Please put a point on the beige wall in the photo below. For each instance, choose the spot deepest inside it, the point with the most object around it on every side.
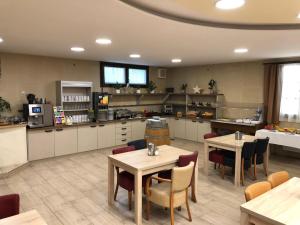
(241, 83)
(37, 74)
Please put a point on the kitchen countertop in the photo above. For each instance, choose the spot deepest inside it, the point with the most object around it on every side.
(237, 123)
(13, 126)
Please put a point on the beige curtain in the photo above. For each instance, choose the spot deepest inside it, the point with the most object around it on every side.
(272, 92)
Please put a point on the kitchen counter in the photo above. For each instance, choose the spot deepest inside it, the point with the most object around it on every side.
(13, 125)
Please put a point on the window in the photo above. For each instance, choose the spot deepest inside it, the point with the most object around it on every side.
(117, 73)
(290, 96)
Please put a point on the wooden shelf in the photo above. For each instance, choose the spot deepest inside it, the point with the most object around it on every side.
(75, 110)
(136, 94)
(134, 105)
(202, 107)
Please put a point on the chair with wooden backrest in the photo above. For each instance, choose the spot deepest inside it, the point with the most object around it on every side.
(257, 189)
(124, 178)
(171, 193)
(215, 156)
(9, 205)
(260, 149)
(278, 178)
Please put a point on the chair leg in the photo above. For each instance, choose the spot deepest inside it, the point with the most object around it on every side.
(243, 171)
(129, 199)
(187, 205)
(255, 172)
(116, 191)
(147, 208)
(265, 169)
(223, 172)
(172, 208)
(215, 166)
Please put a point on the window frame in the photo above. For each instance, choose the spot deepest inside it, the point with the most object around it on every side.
(126, 67)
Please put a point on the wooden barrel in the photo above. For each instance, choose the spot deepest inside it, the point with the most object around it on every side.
(157, 136)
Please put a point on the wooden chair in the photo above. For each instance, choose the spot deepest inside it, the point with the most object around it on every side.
(171, 193)
(257, 189)
(260, 149)
(9, 205)
(278, 178)
(124, 178)
(246, 160)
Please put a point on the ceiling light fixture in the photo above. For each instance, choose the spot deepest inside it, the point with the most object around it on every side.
(135, 56)
(240, 50)
(103, 41)
(229, 4)
(176, 60)
(77, 49)
(1, 39)
(298, 16)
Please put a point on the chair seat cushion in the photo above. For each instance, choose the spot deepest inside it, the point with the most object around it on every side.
(126, 180)
(216, 156)
(160, 195)
(166, 174)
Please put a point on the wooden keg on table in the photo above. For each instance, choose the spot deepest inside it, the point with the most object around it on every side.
(157, 132)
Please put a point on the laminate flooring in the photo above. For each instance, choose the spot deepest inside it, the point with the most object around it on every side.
(72, 190)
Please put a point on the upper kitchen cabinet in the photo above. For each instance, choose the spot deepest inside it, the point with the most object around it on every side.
(65, 141)
(87, 138)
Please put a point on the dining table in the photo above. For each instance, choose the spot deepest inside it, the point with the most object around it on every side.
(280, 205)
(228, 142)
(31, 217)
(139, 163)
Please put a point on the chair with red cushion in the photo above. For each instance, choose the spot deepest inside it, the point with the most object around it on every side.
(9, 205)
(216, 156)
(124, 178)
(183, 161)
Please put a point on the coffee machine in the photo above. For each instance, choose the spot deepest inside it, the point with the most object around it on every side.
(38, 115)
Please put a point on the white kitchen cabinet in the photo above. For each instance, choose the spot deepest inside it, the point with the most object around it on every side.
(87, 138)
(203, 128)
(106, 135)
(171, 121)
(123, 132)
(40, 144)
(179, 128)
(65, 141)
(191, 130)
(138, 129)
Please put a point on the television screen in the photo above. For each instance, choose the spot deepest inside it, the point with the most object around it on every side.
(137, 76)
(114, 75)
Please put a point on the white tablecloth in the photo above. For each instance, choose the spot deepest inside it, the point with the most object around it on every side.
(280, 138)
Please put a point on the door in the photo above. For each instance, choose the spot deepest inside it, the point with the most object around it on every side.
(40, 144)
(179, 128)
(191, 130)
(106, 135)
(87, 138)
(65, 141)
(138, 129)
(203, 128)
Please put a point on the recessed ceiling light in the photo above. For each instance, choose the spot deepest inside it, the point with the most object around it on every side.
(1, 39)
(229, 4)
(103, 41)
(241, 50)
(298, 16)
(77, 49)
(135, 56)
(176, 60)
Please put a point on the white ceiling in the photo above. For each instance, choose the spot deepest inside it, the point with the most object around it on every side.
(51, 27)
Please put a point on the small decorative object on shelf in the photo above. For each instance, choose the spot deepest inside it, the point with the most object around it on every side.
(212, 86)
(183, 88)
(117, 87)
(151, 87)
(4, 107)
(138, 90)
(197, 90)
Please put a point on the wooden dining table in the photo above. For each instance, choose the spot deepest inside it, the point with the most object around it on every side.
(228, 142)
(279, 206)
(139, 163)
(27, 218)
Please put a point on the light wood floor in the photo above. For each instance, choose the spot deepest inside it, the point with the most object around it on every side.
(72, 190)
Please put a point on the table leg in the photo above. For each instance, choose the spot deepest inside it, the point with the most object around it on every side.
(138, 197)
(237, 177)
(205, 158)
(111, 182)
(266, 159)
(244, 219)
(195, 183)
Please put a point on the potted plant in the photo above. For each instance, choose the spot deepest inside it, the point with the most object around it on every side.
(151, 87)
(183, 88)
(117, 87)
(4, 107)
(212, 86)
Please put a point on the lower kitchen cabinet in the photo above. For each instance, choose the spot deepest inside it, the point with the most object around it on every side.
(87, 138)
(192, 130)
(138, 129)
(106, 135)
(65, 141)
(179, 128)
(171, 122)
(203, 128)
(40, 144)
